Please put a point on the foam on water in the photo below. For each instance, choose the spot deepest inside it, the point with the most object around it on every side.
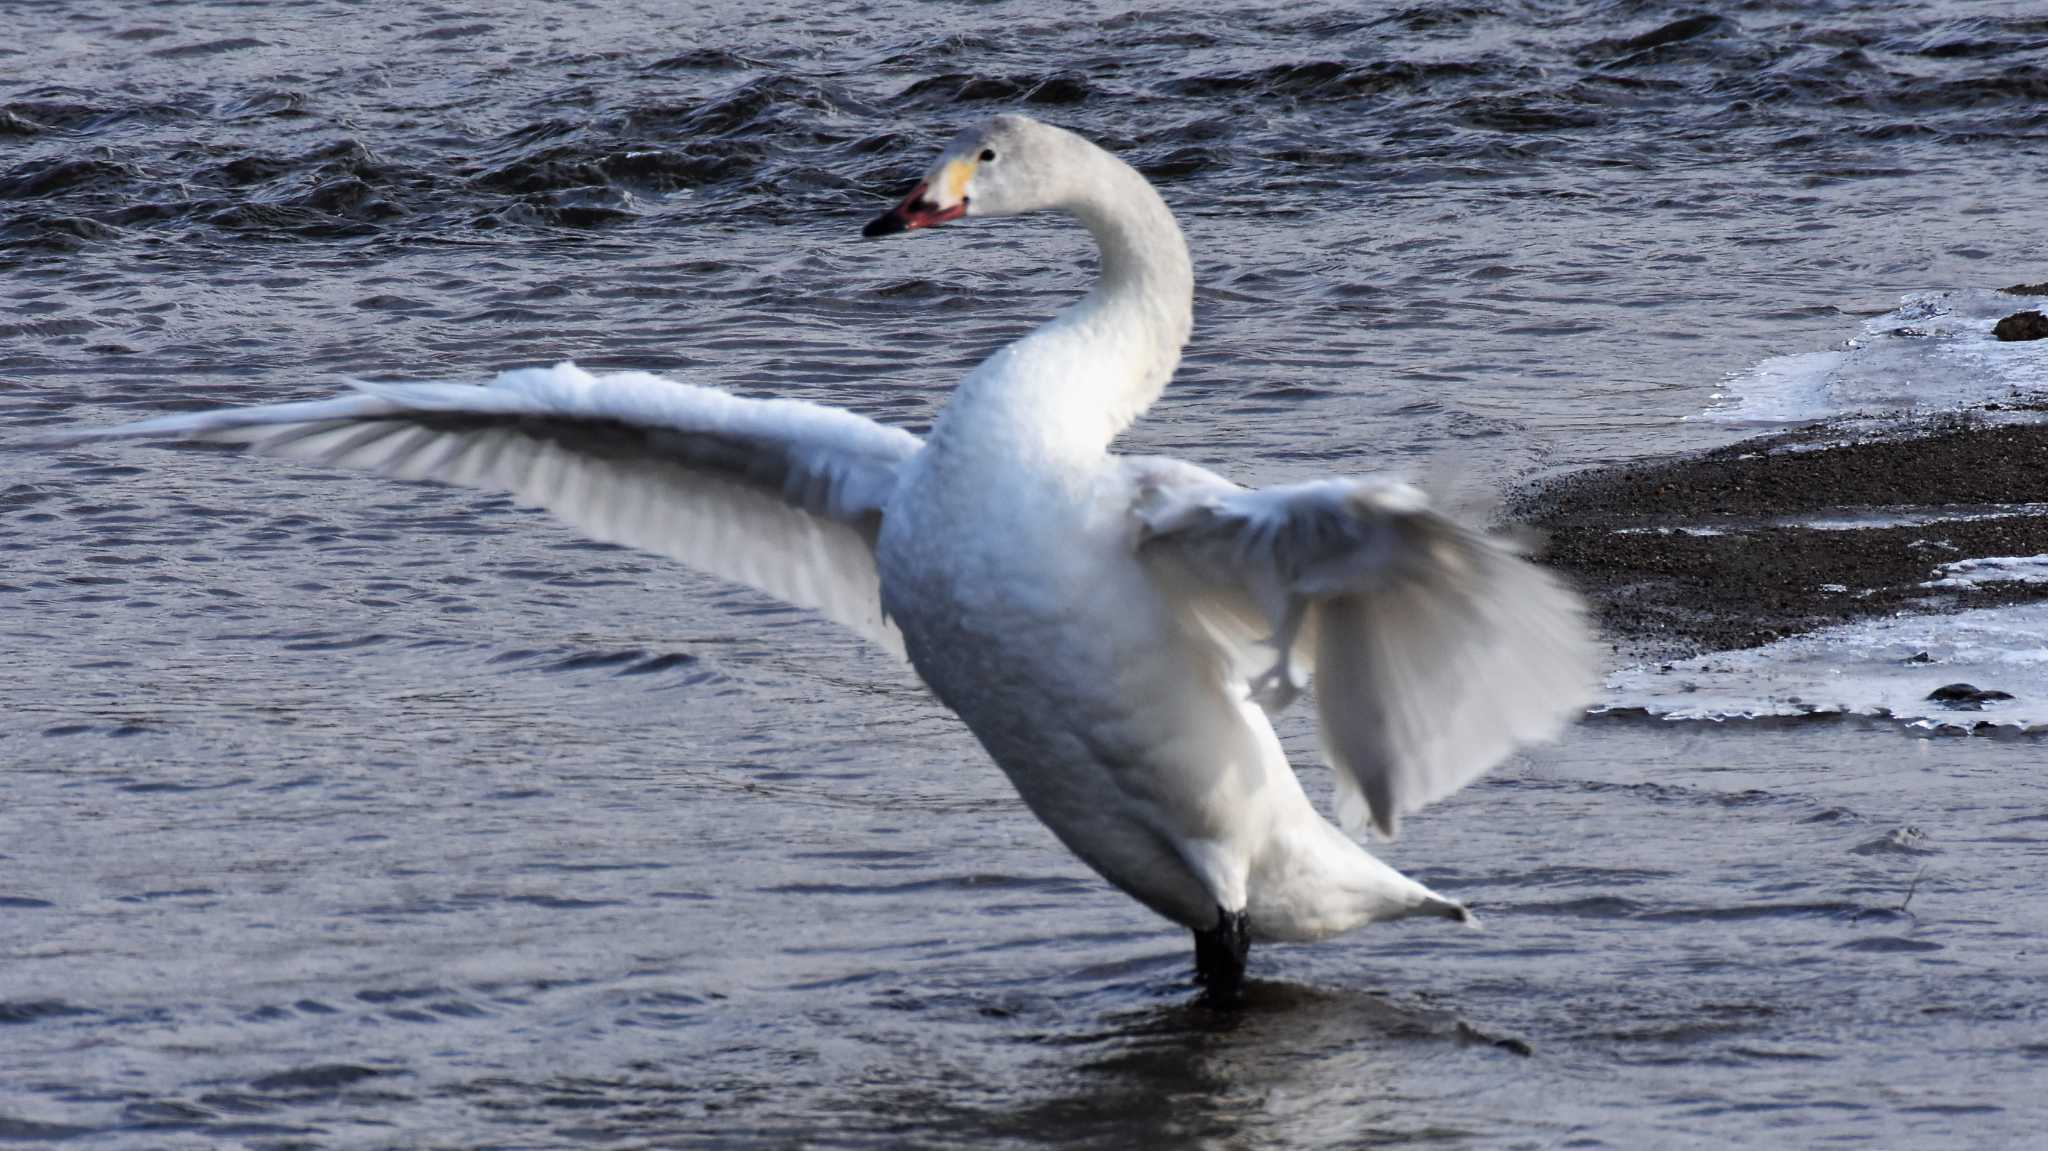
(1886, 668)
(1933, 353)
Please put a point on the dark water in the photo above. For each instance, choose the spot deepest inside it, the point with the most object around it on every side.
(340, 813)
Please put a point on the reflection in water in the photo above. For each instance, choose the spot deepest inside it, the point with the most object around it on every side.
(1292, 1066)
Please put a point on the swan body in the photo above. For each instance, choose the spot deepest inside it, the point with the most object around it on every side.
(1115, 630)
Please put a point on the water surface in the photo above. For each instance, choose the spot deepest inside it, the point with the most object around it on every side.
(340, 813)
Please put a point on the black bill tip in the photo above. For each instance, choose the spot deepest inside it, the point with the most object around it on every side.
(887, 224)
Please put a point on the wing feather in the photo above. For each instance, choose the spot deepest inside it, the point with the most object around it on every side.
(1436, 649)
(781, 495)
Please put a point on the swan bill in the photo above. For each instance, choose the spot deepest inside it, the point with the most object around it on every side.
(914, 212)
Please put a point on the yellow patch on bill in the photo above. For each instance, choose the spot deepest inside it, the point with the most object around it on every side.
(953, 182)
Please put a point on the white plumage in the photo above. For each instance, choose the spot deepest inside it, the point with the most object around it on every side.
(1114, 629)
(781, 495)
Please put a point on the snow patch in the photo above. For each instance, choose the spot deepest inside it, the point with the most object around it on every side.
(1884, 667)
(1935, 352)
(1983, 570)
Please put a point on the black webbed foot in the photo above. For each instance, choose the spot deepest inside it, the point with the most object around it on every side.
(1220, 954)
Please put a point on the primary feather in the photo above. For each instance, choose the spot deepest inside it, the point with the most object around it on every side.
(1436, 649)
(781, 495)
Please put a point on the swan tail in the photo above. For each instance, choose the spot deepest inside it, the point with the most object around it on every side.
(1450, 909)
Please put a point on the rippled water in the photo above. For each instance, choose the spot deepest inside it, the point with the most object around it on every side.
(341, 813)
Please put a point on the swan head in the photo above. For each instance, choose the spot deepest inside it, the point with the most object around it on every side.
(1004, 166)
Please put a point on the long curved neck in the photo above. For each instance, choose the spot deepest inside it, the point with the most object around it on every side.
(1067, 389)
(1145, 292)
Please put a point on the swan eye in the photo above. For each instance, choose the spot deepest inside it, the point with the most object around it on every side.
(988, 155)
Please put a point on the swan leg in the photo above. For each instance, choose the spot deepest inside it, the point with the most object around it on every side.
(1276, 688)
(1220, 955)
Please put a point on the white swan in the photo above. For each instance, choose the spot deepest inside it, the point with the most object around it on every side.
(1114, 629)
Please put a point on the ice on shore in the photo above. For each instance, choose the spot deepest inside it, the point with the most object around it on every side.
(1934, 353)
(1883, 667)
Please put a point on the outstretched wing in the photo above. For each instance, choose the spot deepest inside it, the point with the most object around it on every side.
(782, 495)
(1436, 649)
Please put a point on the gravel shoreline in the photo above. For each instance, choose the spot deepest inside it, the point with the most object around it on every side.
(1706, 552)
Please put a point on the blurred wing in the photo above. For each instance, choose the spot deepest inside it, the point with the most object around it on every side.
(1437, 650)
(781, 495)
